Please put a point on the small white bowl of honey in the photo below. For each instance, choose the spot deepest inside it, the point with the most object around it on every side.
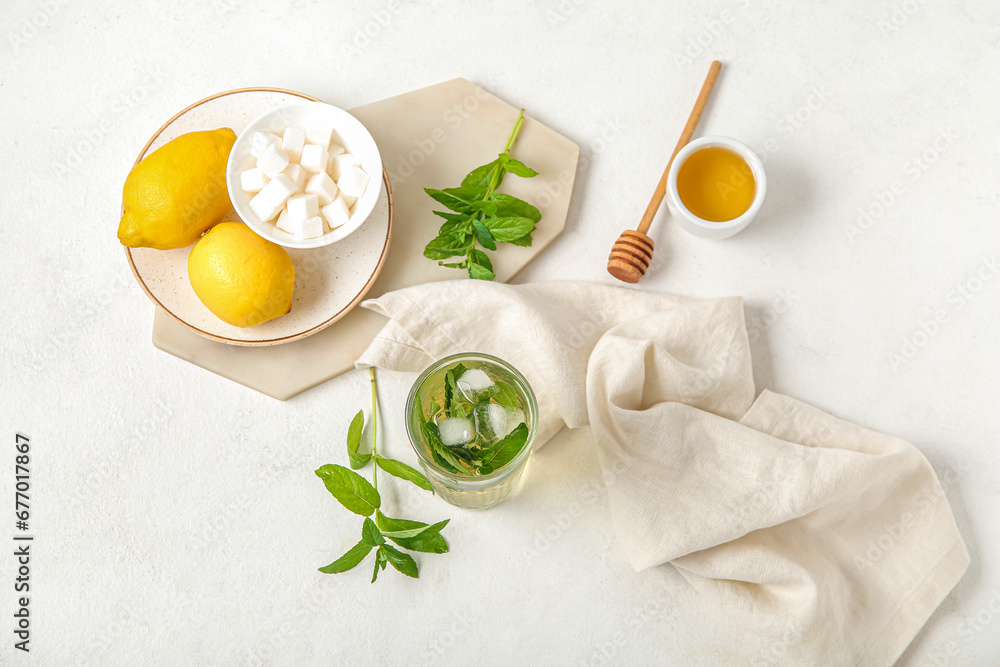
(716, 185)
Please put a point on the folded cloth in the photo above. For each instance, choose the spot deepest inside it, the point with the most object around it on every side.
(832, 539)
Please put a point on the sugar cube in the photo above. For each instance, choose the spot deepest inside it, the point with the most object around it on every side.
(323, 187)
(279, 189)
(272, 160)
(336, 213)
(264, 208)
(253, 180)
(341, 162)
(283, 223)
(348, 200)
(320, 134)
(300, 207)
(260, 141)
(297, 175)
(310, 228)
(336, 149)
(269, 201)
(292, 142)
(353, 181)
(314, 158)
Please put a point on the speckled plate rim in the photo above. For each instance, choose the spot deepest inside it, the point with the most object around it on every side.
(270, 341)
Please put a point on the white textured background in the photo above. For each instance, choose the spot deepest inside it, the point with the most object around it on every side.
(176, 515)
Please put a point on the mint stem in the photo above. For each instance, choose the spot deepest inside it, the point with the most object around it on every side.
(506, 151)
(513, 133)
(371, 373)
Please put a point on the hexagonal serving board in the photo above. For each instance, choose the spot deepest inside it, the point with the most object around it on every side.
(428, 138)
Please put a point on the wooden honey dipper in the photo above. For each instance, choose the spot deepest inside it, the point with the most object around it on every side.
(632, 252)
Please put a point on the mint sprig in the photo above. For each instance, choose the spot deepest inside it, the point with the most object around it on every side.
(482, 215)
(356, 494)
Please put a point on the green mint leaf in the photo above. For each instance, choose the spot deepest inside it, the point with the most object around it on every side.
(402, 562)
(449, 390)
(483, 236)
(447, 245)
(388, 525)
(354, 431)
(409, 532)
(504, 394)
(458, 199)
(510, 206)
(370, 534)
(427, 540)
(349, 560)
(462, 452)
(352, 490)
(359, 461)
(452, 217)
(456, 229)
(480, 257)
(403, 471)
(354, 442)
(480, 272)
(455, 223)
(380, 561)
(451, 386)
(457, 410)
(418, 408)
(509, 228)
(444, 462)
(442, 455)
(418, 529)
(487, 207)
(516, 167)
(480, 177)
(504, 451)
(481, 268)
(523, 241)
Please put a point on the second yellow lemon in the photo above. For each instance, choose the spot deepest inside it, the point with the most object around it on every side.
(177, 192)
(242, 278)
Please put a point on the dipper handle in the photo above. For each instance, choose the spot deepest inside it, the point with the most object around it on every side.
(692, 123)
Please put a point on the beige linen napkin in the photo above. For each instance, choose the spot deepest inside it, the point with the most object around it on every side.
(835, 539)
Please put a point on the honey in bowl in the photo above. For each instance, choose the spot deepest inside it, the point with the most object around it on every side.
(716, 184)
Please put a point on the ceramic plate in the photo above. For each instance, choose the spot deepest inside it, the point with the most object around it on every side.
(329, 281)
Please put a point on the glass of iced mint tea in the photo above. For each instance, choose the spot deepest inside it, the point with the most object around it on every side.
(472, 419)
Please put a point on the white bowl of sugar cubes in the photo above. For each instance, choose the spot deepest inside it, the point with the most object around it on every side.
(304, 175)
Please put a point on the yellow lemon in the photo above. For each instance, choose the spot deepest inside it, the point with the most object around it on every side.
(242, 278)
(177, 192)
